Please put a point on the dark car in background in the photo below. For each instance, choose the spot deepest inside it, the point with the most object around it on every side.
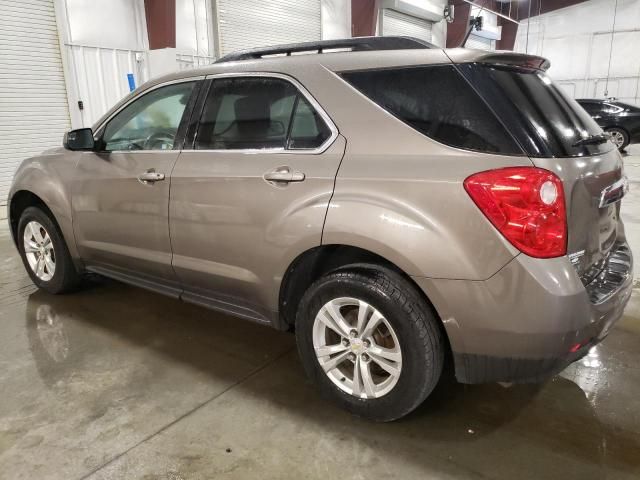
(620, 120)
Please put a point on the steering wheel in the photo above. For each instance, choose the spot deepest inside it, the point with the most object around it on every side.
(157, 139)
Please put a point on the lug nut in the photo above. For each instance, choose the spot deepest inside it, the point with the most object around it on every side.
(352, 357)
(365, 357)
(366, 344)
(345, 342)
(353, 333)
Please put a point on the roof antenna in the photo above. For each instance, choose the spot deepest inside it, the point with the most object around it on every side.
(613, 31)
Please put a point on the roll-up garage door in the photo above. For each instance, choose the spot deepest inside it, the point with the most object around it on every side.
(33, 102)
(479, 43)
(397, 23)
(258, 23)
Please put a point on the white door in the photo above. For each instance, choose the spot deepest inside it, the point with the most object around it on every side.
(244, 24)
(34, 113)
(397, 23)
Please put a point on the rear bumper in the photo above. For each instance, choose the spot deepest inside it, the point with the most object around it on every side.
(532, 318)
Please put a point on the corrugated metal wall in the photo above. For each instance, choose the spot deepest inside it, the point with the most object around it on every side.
(246, 24)
(34, 113)
(398, 23)
(100, 77)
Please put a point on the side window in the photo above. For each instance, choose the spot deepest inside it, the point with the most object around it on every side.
(151, 122)
(437, 102)
(258, 113)
(308, 130)
(591, 108)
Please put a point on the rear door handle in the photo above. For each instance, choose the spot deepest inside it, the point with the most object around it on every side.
(284, 174)
(150, 176)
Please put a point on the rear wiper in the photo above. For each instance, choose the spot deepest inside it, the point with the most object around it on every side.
(592, 140)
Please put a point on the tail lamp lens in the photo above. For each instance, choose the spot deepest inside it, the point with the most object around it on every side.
(526, 205)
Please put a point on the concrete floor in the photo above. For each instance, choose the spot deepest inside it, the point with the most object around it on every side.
(116, 382)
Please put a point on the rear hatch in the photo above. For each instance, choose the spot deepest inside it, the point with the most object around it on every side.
(558, 135)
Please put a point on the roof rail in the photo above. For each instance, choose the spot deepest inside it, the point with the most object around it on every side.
(357, 44)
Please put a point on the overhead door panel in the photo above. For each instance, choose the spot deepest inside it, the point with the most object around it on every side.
(479, 43)
(247, 24)
(33, 102)
(398, 23)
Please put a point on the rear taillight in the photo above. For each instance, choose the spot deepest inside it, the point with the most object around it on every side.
(526, 205)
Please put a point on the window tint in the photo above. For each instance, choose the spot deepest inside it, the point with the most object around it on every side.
(258, 113)
(245, 113)
(150, 122)
(546, 122)
(590, 107)
(439, 103)
(308, 130)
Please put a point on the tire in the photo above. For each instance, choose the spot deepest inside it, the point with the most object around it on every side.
(620, 134)
(64, 276)
(412, 323)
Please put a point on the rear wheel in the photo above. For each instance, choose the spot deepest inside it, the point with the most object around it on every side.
(619, 137)
(44, 252)
(370, 342)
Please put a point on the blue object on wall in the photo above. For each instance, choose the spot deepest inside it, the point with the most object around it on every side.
(132, 82)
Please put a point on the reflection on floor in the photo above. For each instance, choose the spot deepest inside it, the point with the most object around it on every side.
(115, 382)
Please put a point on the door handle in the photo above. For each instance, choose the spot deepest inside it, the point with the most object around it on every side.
(150, 176)
(284, 174)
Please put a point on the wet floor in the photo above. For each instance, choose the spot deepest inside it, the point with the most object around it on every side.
(117, 382)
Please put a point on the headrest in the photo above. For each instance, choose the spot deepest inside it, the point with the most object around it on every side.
(253, 108)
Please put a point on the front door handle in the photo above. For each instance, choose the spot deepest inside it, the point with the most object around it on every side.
(284, 174)
(150, 176)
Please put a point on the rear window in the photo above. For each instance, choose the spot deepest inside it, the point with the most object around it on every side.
(544, 120)
(438, 102)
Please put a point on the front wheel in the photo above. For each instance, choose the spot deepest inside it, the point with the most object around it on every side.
(370, 342)
(619, 137)
(44, 252)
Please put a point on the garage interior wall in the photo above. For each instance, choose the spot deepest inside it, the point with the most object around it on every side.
(489, 19)
(243, 24)
(98, 59)
(577, 41)
(34, 110)
(418, 18)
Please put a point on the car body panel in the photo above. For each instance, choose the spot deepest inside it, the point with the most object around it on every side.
(120, 222)
(46, 176)
(233, 233)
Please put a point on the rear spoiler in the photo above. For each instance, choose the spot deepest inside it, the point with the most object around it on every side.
(499, 58)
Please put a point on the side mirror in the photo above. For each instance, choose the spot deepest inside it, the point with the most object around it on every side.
(80, 139)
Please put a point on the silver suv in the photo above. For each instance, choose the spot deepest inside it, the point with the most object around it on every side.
(394, 203)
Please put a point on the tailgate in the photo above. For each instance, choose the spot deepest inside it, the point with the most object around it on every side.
(593, 189)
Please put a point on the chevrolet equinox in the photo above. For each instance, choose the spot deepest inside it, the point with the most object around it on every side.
(392, 202)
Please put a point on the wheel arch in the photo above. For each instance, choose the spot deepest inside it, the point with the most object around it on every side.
(316, 262)
(23, 199)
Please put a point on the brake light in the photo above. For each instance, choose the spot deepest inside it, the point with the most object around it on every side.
(526, 205)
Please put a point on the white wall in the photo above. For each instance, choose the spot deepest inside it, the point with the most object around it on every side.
(193, 27)
(106, 23)
(577, 41)
(336, 19)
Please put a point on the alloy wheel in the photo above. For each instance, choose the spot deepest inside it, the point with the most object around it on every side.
(38, 250)
(617, 138)
(357, 348)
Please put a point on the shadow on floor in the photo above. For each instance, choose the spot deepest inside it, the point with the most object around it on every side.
(545, 431)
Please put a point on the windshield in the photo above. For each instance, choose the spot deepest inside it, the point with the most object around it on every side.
(544, 120)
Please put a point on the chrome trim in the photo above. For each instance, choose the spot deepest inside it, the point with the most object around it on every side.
(307, 95)
(614, 192)
(616, 269)
(140, 95)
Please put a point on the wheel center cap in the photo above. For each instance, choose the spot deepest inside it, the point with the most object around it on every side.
(357, 345)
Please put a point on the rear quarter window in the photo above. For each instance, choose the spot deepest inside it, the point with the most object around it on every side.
(439, 103)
